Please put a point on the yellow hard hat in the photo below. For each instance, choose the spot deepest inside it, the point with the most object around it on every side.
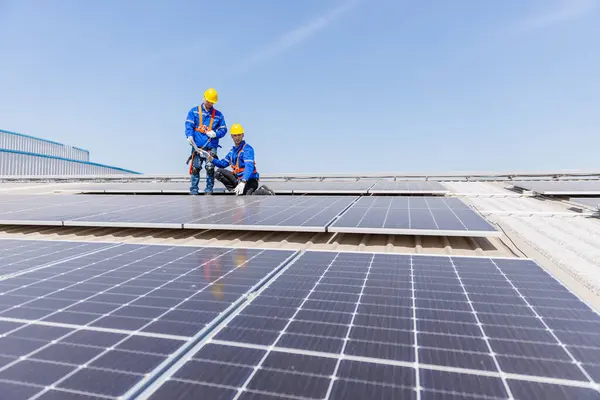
(211, 95)
(236, 129)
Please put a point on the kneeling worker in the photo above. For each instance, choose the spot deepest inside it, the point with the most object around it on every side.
(244, 178)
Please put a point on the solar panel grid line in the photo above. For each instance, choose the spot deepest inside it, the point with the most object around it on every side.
(93, 328)
(272, 348)
(349, 328)
(42, 348)
(148, 390)
(26, 251)
(36, 208)
(131, 208)
(135, 277)
(541, 318)
(140, 387)
(484, 335)
(454, 213)
(408, 364)
(264, 279)
(415, 330)
(51, 264)
(245, 384)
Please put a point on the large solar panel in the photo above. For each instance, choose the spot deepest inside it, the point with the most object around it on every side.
(413, 215)
(107, 323)
(591, 202)
(279, 187)
(561, 188)
(312, 214)
(408, 187)
(382, 326)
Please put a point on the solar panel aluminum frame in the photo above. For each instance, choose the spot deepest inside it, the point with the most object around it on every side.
(31, 222)
(530, 186)
(140, 225)
(267, 228)
(400, 191)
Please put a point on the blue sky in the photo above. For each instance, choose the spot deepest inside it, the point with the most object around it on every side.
(319, 85)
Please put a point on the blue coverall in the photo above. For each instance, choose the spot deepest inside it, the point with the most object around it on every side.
(193, 128)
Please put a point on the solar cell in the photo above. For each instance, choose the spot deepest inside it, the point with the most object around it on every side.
(106, 322)
(408, 187)
(413, 216)
(289, 342)
(310, 214)
(564, 188)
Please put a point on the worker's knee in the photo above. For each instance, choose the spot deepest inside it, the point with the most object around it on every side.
(219, 174)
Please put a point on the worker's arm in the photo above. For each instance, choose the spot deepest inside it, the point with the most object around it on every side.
(190, 123)
(224, 163)
(221, 129)
(248, 163)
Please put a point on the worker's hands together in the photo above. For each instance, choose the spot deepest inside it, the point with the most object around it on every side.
(239, 189)
(211, 134)
(204, 154)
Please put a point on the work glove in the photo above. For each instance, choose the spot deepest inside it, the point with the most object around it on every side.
(239, 189)
(211, 134)
(203, 153)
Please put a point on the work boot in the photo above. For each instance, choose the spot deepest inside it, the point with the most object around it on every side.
(264, 191)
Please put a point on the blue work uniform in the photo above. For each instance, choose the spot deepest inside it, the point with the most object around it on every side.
(198, 122)
(241, 160)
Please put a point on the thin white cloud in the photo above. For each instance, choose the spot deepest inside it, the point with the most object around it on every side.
(294, 37)
(563, 12)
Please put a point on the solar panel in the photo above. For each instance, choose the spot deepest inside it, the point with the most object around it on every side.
(408, 187)
(279, 187)
(322, 187)
(106, 323)
(592, 202)
(426, 215)
(383, 326)
(565, 188)
(311, 214)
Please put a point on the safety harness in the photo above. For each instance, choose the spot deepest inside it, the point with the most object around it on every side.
(203, 129)
(236, 168)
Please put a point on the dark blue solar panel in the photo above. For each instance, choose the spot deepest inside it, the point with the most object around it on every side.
(412, 215)
(435, 318)
(121, 313)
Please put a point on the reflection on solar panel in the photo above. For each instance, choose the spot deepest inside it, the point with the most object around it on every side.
(566, 188)
(399, 187)
(381, 326)
(311, 214)
(592, 202)
(414, 216)
(106, 323)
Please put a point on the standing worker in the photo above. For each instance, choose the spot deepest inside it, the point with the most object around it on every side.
(244, 178)
(205, 125)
